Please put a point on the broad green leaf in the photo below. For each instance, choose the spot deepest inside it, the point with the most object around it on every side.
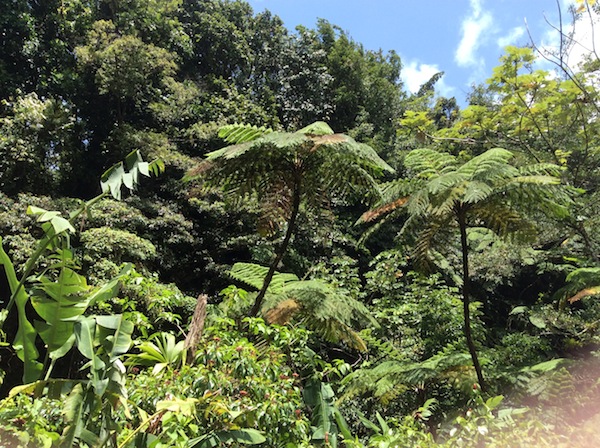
(538, 322)
(24, 342)
(53, 388)
(494, 402)
(185, 407)
(120, 341)
(85, 333)
(61, 225)
(246, 436)
(518, 310)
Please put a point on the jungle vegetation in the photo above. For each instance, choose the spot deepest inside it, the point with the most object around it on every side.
(215, 231)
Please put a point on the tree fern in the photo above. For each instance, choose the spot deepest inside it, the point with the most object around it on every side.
(321, 307)
(484, 191)
(389, 379)
(307, 166)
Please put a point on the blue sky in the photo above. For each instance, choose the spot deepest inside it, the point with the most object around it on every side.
(463, 38)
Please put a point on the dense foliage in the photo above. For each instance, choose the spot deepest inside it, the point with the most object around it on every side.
(215, 231)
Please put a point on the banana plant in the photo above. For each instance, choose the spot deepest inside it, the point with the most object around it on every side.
(90, 403)
(58, 295)
(327, 421)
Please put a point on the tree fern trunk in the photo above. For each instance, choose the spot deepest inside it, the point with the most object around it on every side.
(280, 253)
(466, 299)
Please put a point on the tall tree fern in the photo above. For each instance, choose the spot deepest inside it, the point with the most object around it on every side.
(287, 169)
(486, 191)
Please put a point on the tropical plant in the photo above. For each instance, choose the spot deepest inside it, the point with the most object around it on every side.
(287, 169)
(162, 354)
(58, 294)
(486, 191)
(327, 421)
(321, 307)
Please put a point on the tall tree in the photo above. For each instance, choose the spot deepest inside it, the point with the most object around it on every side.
(285, 170)
(486, 191)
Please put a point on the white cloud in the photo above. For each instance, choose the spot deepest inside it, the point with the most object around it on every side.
(415, 74)
(472, 35)
(512, 37)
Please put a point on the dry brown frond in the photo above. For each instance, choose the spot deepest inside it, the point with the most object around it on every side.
(375, 213)
(320, 140)
(584, 293)
(282, 312)
(200, 169)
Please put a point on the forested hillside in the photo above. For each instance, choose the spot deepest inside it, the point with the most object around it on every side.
(216, 231)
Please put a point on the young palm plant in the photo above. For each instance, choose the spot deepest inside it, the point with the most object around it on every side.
(486, 191)
(287, 169)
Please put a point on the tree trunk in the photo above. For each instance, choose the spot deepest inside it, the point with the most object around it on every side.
(466, 299)
(280, 253)
(196, 328)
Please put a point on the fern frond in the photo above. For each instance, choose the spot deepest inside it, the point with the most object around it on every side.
(489, 165)
(425, 238)
(316, 128)
(477, 192)
(241, 133)
(428, 163)
(283, 312)
(377, 212)
(253, 275)
(580, 283)
(389, 379)
(505, 221)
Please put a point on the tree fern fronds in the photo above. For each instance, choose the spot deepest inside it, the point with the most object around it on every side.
(390, 378)
(488, 165)
(283, 312)
(505, 221)
(312, 160)
(425, 240)
(419, 202)
(580, 283)
(327, 310)
(535, 169)
(428, 163)
(445, 181)
(316, 128)
(241, 133)
(377, 213)
(253, 275)
(476, 192)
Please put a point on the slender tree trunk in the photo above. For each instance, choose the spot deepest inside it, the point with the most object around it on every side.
(466, 299)
(281, 252)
